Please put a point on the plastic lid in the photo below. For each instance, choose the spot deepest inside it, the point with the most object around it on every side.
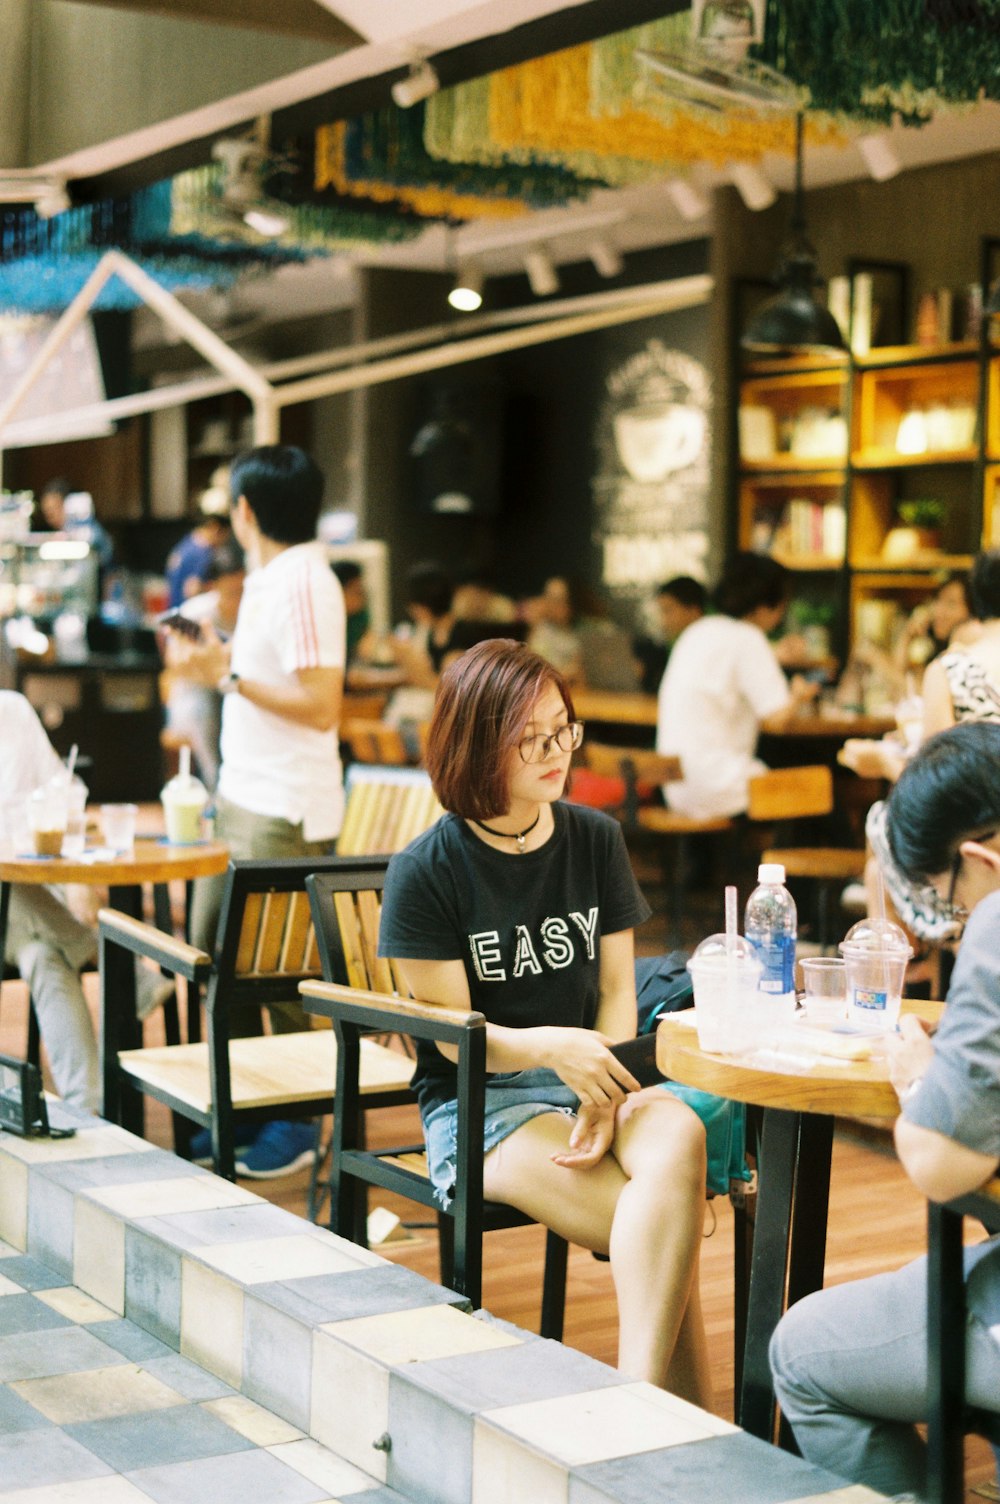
(718, 946)
(874, 934)
(187, 788)
(770, 872)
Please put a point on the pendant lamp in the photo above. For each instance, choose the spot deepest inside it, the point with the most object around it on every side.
(793, 322)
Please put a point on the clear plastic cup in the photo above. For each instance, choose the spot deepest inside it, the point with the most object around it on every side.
(875, 952)
(118, 826)
(726, 1003)
(47, 815)
(75, 839)
(824, 979)
(184, 801)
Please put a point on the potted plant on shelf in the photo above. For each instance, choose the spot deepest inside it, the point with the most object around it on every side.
(919, 533)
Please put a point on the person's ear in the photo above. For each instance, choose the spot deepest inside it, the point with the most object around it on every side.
(978, 851)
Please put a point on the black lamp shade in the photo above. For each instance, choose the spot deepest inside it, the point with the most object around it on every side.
(792, 322)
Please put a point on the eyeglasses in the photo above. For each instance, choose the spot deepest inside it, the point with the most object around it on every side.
(536, 748)
(959, 910)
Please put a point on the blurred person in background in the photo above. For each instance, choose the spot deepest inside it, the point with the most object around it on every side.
(723, 687)
(187, 564)
(71, 512)
(676, 604)
(554, 618)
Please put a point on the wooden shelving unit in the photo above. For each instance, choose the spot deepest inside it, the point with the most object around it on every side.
(903, 423)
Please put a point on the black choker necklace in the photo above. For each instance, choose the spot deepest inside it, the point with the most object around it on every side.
(508, 835)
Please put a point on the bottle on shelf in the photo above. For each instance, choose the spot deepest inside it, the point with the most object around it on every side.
(771, 925)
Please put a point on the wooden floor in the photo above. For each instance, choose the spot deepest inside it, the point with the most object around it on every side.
(876, 1223)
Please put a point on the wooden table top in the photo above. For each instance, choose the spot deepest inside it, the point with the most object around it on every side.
(150, 861)
(640, 710)
(848, 1088)
(612, 705)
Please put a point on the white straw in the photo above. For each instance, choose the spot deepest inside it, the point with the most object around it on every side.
(731, 921)
(185, 768)
(74, 753)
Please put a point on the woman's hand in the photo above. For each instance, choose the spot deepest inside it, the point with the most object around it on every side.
(592, 1137)
(582, 1060)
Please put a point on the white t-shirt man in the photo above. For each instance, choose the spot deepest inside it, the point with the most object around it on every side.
(291, 618)
(721, 682)
(28, 756)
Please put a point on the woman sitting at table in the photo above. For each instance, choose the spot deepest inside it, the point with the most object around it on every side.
(850, 1363)
(723, 686)
(522, 906)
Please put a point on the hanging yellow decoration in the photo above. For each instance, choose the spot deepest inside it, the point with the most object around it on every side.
(430, 202)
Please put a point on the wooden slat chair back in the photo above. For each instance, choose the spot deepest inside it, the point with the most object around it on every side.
(372, 741)
(359, 1011)
(386, 809)
(949, 1417)
(802, 793)
(266, 946)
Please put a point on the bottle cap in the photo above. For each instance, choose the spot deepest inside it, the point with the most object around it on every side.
(770, 872)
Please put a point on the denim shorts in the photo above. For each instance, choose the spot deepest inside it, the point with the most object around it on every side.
(512, 1098)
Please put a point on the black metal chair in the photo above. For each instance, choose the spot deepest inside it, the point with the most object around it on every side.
(949, 1417)
(358, 997)
(265, 946)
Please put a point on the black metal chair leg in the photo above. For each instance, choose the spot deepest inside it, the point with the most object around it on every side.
(446, 1249)
(34, 1052)
(554, 1286)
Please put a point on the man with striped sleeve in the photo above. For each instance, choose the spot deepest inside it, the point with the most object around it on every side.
(280, 789)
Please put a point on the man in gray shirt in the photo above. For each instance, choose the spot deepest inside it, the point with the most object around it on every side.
(850, 1363)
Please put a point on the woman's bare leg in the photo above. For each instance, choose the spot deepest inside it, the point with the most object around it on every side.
(643, 1204)
(656, 1244)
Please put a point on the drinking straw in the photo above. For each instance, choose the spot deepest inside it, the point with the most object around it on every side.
(74, 753)
(185, 769)
(731, 922)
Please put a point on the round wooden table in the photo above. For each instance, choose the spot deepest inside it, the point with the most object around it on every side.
(797, 1103)
(153, 861)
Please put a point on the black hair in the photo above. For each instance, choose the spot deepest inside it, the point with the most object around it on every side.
(982, 589)
(685, 591)
(347, 571)
(284, 489)
(748, 582)
(57, 486)
(947, 794)
(430, 586)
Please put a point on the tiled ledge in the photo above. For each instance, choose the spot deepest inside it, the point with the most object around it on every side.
(388, 1371)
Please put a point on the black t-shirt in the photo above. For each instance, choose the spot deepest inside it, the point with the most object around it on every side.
(527, 927)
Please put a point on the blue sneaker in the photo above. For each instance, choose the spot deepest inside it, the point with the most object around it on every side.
(201, 1143)
(279, 1149)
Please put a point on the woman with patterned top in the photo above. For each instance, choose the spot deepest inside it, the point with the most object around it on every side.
(522, 906)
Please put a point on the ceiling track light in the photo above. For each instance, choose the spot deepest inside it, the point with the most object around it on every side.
(543, 279)
(467, 294)
(754, 188)
(793, 322)
(879, 156)
(419, 83)
(48, 196)
(607, 258)
(689, 202)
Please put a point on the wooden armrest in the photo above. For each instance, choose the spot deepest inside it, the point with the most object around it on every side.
(143, 939)
(377, 1010)
(647, 767)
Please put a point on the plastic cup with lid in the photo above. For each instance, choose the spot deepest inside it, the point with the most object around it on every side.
(75, 839)
(48, 812)
(876, 952)
(725, 972)
(184, 799)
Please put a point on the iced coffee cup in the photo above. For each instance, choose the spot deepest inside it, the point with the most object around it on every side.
(725, 994)
(48, 811)
(875, 952)
(184, 799)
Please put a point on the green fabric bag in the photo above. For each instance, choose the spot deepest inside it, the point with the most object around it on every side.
(725, 1132)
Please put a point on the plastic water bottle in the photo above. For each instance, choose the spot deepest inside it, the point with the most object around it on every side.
(770, 924)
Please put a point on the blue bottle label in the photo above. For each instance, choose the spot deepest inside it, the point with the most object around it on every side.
(777, 958)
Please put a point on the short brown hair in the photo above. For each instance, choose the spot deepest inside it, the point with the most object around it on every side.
(483, 703)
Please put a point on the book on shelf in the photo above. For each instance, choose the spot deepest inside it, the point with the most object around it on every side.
(808, 529)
